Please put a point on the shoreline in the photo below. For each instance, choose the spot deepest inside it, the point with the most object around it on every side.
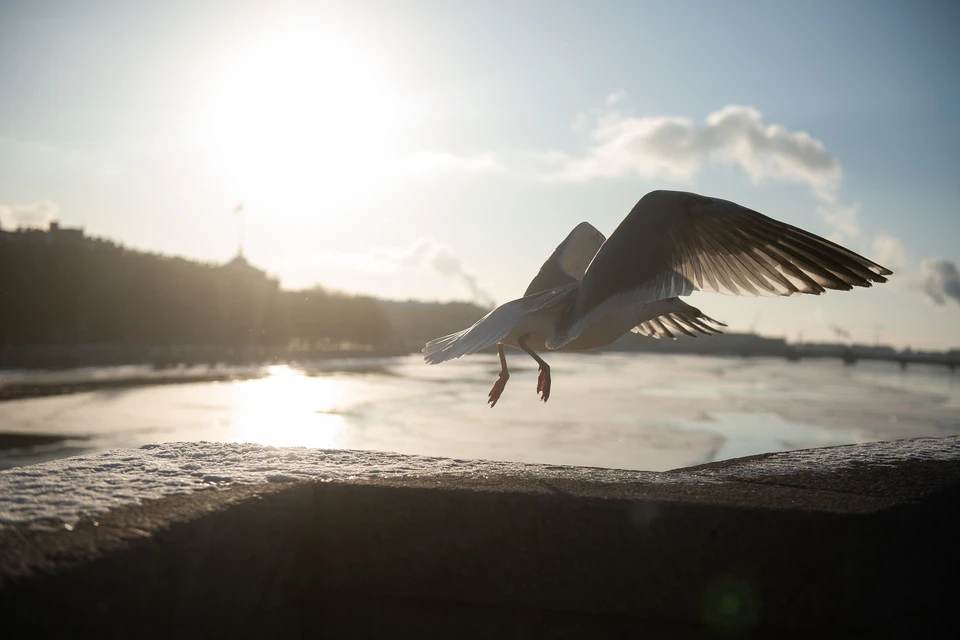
(29, 390)
(219, 371)
(29, 382)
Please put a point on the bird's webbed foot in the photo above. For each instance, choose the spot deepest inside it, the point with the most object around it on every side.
(498, 388)
(543, 382)
(501, 382)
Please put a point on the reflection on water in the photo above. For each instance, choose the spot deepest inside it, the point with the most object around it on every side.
(288, 409)
(746, 434)
(614, 410)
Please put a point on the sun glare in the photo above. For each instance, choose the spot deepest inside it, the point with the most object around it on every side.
(289, 409)
(301, 114)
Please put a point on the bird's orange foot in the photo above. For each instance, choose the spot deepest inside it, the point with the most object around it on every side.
(543, 383)
(497, 389)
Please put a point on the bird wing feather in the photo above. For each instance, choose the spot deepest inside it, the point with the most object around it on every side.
(681, 318)
(569, 260)
(674, 243)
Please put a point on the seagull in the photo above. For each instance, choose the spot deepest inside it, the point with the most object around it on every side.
(593, 290)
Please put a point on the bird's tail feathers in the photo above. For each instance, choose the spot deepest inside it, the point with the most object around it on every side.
(495, 326)
(441, 349)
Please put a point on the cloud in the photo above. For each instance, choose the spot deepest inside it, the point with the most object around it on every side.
(427, 252)
(422, 253)
(676, 148)
(737, 134)
(889, 251)
(844, 221)
(940, 280)
(671, 148)
(36, 214)
(616, 96)
(432, 162)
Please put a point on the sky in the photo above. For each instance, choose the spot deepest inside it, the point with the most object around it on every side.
(440, 150)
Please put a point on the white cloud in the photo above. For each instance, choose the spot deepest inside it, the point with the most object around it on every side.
(676, 148)
(940, 280)
(428, 252)
(889, 251)
(422, 253)
(35, 214)
(616, 96)
(671, 148)
(844, 221)
(432, 162)
(648, 147)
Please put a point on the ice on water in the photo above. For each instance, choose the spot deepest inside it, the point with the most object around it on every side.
(625, 411)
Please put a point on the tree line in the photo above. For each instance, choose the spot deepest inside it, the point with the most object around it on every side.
(98, 292)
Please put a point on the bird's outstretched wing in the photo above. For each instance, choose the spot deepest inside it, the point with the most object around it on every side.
(494, 326)
(674, 243)
(569, 260)
(682, 318)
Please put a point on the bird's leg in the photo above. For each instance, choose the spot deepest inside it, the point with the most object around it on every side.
(501, 382)
(543, 382)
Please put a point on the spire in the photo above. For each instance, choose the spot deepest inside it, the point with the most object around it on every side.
(241, 212)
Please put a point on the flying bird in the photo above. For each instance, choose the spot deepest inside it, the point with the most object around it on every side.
(592, 290)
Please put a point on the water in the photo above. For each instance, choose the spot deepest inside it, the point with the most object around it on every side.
(628, 411)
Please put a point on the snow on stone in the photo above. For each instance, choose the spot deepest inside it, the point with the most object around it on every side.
(67, 489)
(833, 459)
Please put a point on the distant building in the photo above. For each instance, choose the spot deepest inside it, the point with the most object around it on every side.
(54, 234)
(828, 349)
(875, 351)
(65, 235)
(241, 269)
(742, 344)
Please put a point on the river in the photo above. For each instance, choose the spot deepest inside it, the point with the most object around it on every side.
(629, 411)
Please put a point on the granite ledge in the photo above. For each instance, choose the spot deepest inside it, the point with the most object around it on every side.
(851, 541)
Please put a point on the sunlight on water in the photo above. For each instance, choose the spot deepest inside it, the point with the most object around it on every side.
(625, 411)
(288, 409)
